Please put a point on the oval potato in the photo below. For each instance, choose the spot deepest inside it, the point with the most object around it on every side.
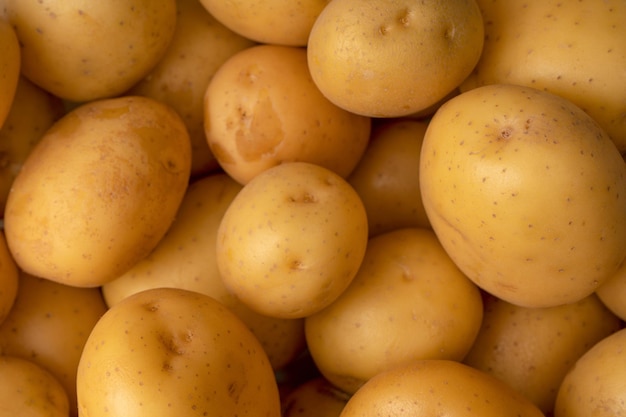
(10, 66)
(613, 292)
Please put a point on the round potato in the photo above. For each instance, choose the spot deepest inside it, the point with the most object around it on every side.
(436, 387)
(390, 58)
(262, 109)
(278, 22)
(83, 51)
(169, 351)
(595, 384)
(98, 191)
(9, 67)
(408, 301)
(200, 45)
(387, 179)
(531, 349)
(613, 292)
(526, 193)
(9, 277)
(28, 390)
(316, 397)
(292, 240)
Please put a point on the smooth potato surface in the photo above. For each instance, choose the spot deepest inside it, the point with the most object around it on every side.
(9, 67)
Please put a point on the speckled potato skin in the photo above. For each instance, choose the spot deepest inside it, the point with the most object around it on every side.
(9, 67)
(83, 51)
(98, 191)
(170, 351)
(526, 193)
(292, 240)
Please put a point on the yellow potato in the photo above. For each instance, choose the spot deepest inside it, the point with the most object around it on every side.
(28, 390)
(292, 240)
(9, 277)
(389, 58)
(531, 349)
(169, 351)
(279, 22)
(185, 258)
(526, 193)
(408, 301)
(613, 292)
(9, 67)
(33, 111)
(573, 49)
(49, 325)
(83, 51)
(437, 387)
(314, 398)
(595, 384)
(262, 109)
(98, 191)
(387, 179)
(200, 45)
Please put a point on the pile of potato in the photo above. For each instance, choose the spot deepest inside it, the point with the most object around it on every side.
(330, 208)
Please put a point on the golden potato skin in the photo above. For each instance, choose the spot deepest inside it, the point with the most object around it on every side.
(390, 58)
(9, 277)
(316, 397)
(613, 292)
(99, 191)
(9, 67)
(526, 193)
(532, 349)
(169, 351)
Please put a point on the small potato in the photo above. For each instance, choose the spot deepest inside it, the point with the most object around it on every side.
(98, 191)
(531, 349)
(9, 277)
(408, 301)
(49, 325)
(9, 67)
(613, 292)
(390, 58)
(173, 352)
(595, 384)
(316, 397)
(262, 109)
(387, 177)
(83, 51)
(292, 240)
(28, 390)
(437, 387)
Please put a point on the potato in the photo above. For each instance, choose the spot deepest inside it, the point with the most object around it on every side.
(99, 191)
(278, 22)
(390, 58)
(49, 325)
(28, 390)
(169, 351)
(200, 45)
(9, 276)
(292, 240)
(9, 67)
(613, 292)
(408, 301)
(314, 398)
(262, 109)
(595, 384)
(83, 51)
(387, 179)
(33, 111)
(526, 193)
(571, 49)
(185, 258)
(436, 387)
(531, 349)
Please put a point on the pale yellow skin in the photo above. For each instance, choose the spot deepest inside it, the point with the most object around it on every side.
(262, 109)
(292, 240)
(169, 351)
(28, 390)
(387, 178)
(531, 349)
(200, 45)
(408, 301)
(33, 111)
(9, 277)
(574, 49)
(83, 51)
(316, 397)
(9, 67)
(49, 324)
(437, 388)
(526, 193)
(613, 292)
(277, 22)
(185, 258)
(595, 384)
(390, 58)
(98, 191)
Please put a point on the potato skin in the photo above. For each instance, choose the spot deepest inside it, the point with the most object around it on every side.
(613, 292)
(99, 191)
(526, 193)
(9, 67)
